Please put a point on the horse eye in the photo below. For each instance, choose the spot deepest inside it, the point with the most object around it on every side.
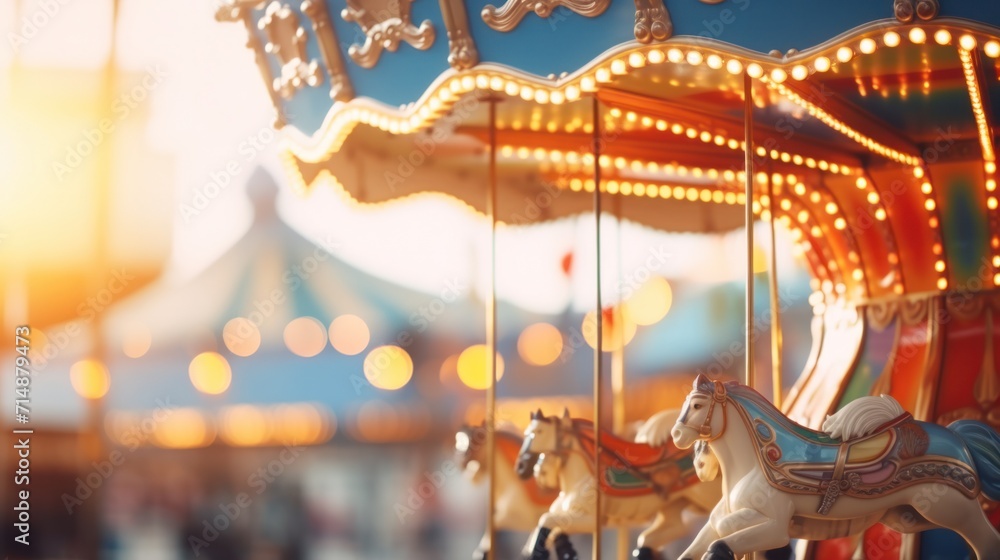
(697, 407)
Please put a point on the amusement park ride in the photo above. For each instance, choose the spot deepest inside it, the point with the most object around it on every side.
(863, 127)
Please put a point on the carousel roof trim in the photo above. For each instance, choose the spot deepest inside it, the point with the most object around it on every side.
(450, 88)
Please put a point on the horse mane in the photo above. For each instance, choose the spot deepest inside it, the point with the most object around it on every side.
(862, 416)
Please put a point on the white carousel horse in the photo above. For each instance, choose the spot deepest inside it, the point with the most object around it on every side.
(782, 480)
(640, 484)
(518, 502)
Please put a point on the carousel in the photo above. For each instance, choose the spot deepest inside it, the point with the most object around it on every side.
(863, 129)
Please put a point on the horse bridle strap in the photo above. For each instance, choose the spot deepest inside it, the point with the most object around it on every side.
(718, 397)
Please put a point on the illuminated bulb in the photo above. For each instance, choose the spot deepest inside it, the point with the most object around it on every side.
(694, 58)
(929, 204)
(714, 61)
(918, 172)
(867, 46)
(861, 182)
(917, 35)
(675, 55)
(831, 208)
(990, 167)
(636, 60)
(891, 39)
(942, 37)
(778, 75)
(967, 42)
(655, 56)
(939, 266)
(880, 214)
(857, 274)
(845, 54)
(926, 188)
(996, 279)
(822, 64)
(618, 67)
(991, 185)
(734, 66)
(527, 93)
(800, 72)
(992, 49)
(873, 197)
(588, 83)
(839, 223)
(991, 202)
(755, 70)
(942, 283)
(603, 75)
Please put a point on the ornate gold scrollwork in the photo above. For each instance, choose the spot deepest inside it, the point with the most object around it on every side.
(506, 17)
(881, 313)
(242, 10)
(340, 84)
(965, 305)
(652, 21)
(462, 53)
(904, 10)
(385, 24)
(913, 311)
(287, 40)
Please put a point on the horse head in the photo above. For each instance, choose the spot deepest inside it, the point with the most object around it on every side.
(543, 435)
(703, 414)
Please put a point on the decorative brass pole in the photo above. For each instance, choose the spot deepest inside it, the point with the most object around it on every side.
(748, 221)
(491, 332)
(598, 356)
(772, 284)
(748, 225)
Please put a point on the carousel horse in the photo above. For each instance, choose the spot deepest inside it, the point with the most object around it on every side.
(872, 463)
(639, 484)
(518, 502)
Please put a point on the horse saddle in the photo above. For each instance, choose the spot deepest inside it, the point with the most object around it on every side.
(811, 462)
(636, 468)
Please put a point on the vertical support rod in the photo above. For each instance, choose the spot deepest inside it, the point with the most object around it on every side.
(598, 351)
(491, 333)
(748, 225)
(618, 369)
(748, 221)
(772, 284)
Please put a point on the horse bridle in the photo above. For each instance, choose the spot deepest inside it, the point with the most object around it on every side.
(719, 397)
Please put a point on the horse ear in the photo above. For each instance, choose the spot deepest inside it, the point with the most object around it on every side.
(701, 381)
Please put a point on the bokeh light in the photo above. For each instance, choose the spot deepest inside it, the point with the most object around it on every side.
(305, 336)
(298, 424)
(349, 334)
(540, 344)
(241, 336)
(137, 341)
(388, 367)
(760, 261)
(474, 366)
(618, 330)
(90, 378)
(210, 373)
(183, 429)
(244, 425)
(651, 302)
